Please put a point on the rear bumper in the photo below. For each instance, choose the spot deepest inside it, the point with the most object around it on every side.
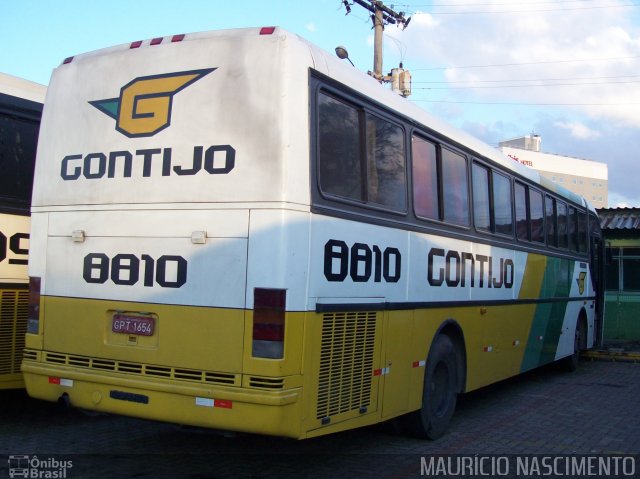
(239, 409)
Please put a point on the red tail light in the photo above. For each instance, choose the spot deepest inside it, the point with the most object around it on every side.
(268, 322)
(33, 321)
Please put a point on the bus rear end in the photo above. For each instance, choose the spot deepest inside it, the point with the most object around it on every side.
(20, 111)
(161, 245)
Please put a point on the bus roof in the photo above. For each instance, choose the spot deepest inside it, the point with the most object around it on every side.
(21, 88)
(359, 81)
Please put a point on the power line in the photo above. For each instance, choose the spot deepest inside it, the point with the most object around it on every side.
(526, 80)
(547, 62)
(634, 104)
(528, 10)
(547, 85)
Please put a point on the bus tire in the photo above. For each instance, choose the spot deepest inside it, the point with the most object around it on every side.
(439, 394)
(571, 362)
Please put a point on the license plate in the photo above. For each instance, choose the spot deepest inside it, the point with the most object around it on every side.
(126, 324)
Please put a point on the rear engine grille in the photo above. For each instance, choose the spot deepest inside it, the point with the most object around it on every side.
(14, 304)
(127, 367)
(346, 362)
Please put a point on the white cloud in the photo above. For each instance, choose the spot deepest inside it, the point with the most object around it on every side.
(311, 27)
(578, 130)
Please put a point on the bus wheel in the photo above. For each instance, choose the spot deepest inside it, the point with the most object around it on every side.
(439, 394)
(571, 362)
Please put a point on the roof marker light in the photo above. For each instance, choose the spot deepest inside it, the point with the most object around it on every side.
(267, 30)
(156, 41)
(177, 38)
(67, 60)
(136, 44)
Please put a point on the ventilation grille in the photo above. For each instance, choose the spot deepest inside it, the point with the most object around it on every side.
(14, 306)
(266, 383)
(346, 362)
(149, 370)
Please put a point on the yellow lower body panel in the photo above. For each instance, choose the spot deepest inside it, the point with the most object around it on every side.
(11, 381)
(232, 409)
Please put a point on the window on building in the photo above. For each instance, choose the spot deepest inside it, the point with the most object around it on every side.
(623, 273)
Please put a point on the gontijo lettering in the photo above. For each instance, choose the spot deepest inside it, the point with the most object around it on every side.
(455, 268)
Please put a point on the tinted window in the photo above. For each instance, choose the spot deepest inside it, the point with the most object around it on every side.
(425, 179)
(341, 169)
(572, 228)
(550, 223)
(503, 216)
(582, 232)
(455, 188)
(18, 141)
(561, 211)
(385, 164)
(537, 216)
(361, 156)
(481, 206)
(522, 229)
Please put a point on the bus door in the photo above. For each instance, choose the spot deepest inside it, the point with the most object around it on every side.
(596, 252)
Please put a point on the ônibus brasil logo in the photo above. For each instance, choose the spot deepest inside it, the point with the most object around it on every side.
(144, 105)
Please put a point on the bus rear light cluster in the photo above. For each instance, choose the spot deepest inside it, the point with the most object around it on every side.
(268, 322)
(33, 317)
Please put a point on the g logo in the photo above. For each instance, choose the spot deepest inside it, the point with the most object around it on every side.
(144, 105)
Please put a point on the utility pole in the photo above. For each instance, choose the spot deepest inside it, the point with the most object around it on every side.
(380, 15)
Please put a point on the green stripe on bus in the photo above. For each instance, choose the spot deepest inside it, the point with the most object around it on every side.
(548, 317)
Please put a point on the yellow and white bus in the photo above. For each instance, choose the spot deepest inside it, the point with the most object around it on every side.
(236, 230)
(20, 110)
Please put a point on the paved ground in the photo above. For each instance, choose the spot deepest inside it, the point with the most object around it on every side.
(594, 410)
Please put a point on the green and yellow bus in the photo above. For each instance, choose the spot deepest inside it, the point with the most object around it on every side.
(20, 110)
(236, 230)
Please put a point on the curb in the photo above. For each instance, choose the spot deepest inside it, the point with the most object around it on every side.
(611, 355)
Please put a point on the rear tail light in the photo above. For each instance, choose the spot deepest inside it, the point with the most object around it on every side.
(268, 322)
(33, 321)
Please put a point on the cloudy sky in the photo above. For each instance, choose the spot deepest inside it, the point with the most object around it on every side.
(568, 70)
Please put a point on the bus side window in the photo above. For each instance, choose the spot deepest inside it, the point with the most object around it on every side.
(582, 232)
(550, 223)
(425, 179)
(386, 172)
(522, 228)
(18, 139)
(503, 216)
(562, 224)
(481, 204)
(536, 213)
(572, 229)
(340, 156)
(455, 188)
